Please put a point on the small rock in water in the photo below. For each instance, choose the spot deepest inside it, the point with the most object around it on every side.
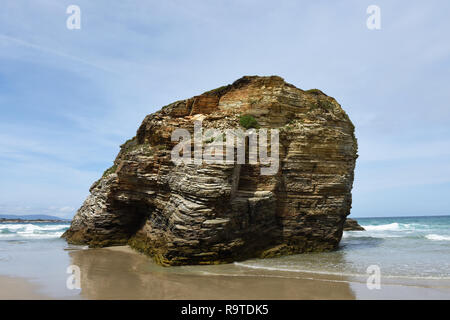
(352, 225)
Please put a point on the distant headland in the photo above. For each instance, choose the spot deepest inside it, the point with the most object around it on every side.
(31, 218)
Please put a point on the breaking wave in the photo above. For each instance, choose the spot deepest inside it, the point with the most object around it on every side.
(31, 231)
(437, 237)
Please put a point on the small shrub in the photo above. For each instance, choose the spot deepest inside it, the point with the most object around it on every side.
(315, 91)
(248, 121)
(110, 170)
(210, 140)
(326, 104)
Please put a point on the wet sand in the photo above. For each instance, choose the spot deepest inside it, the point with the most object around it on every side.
(121, 273)
(19, 288)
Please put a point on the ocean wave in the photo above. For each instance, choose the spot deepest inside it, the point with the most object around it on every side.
(6, 231)
(368, 235)
(334, 273)
(437, 237)
(31, 236)
(286, 269)
(31, 227)
(32, 231)
(207, 273)
(395, 226)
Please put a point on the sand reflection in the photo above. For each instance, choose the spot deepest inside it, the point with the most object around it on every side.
(120, 273)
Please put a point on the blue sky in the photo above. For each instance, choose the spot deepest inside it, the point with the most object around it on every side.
(69, 98)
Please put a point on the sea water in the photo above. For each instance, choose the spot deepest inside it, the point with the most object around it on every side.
(31, 231)
(404, 249)
(36, 252)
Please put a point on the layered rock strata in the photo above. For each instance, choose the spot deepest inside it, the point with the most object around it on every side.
(222, 212)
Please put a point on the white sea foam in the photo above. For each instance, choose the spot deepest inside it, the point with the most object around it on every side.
(13, 236)
(30, 226)
(12, 227)
(362, 234)
(437, 237)
(287, 269)
(31, 231)
(384, 227)
(334, 273)
(206, 273)
(43, 235)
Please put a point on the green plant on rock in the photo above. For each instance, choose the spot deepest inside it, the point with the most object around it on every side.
(210, 140)
(218, 91)
(326, 104)
(110, 170)
(248, 121)
(315, 91)
(215, 138)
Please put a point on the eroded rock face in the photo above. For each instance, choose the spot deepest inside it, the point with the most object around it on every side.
(352, 225)
(217, 213)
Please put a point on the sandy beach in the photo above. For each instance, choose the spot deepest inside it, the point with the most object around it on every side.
(19, 288)
(121, 273)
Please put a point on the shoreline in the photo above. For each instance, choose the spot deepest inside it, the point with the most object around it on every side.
(213, 282)
(123, 273)
(120, 272)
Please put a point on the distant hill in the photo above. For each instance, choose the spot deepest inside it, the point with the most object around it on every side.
(31, 217)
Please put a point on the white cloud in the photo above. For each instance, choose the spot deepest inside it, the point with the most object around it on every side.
(16, 41)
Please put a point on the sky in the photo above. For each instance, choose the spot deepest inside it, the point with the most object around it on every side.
(70, 97)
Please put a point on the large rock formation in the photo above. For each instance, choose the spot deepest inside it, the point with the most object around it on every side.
(216, 213)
